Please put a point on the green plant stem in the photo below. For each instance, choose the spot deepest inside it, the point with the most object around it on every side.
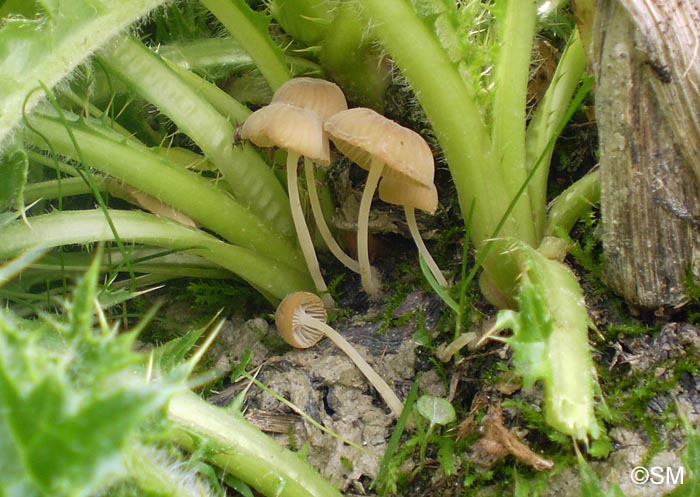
(352, 60)
(71, 227)
(546, 124)
(572, 204)
(65, 187)
(516, 31)
(48, 50)
(224, 103)
(455, 117)
(188, 192)
(241, 449)
(250, 29)
(154, 261)
(252, 182)
(156, 475)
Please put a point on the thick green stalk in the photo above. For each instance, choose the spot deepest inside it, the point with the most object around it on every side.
(78, 227)
(546, 123)
(455, 117)
(250, 29)
(572, 204)
(47, 50)
(184, 190)
(304, 20)
(251, 180)
(351, 59)
(224, 103)
(241, 449)
(516, 32)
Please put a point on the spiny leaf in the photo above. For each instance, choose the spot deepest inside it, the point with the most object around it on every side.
(72, 397)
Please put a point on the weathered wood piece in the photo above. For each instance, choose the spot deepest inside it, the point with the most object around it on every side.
(650, 199)
(671, 36)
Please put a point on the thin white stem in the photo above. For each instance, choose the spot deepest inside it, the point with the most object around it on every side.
(377, 381)
(422, 249)
(307, 247)
(368, 284)
(323, 228)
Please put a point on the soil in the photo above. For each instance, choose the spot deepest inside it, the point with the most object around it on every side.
(326, 386)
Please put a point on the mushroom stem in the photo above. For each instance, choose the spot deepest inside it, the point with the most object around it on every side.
(305, 243)
(323, 228)
(422, 249)
(377, 381)
(375, 171)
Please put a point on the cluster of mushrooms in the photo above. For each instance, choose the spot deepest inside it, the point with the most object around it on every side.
(301, 118)
(304, 114)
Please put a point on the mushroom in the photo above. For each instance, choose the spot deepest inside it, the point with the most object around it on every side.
(301, 322)
(377, 144)
(325, 99)
(412, 196)
(300, 132)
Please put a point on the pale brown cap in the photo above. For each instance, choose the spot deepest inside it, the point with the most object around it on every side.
(314, 94)
(362, 134)
(288, 324)
(394, 190)
(289, 127)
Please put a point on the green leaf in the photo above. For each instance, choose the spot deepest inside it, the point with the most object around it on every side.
(69, 404)
(550, 337)
(437, 410)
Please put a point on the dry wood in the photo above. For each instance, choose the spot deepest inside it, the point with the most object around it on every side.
(670, 31)
(649, 193)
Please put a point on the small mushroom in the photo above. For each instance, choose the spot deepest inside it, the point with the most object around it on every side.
(300, 132)
(301, 322)
(325, 99)
(378, 144)
(412, 196)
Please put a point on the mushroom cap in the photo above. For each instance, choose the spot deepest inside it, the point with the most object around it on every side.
(314, 94)
(288, 127)
(289, 325)
(394, 190)
(362, 134)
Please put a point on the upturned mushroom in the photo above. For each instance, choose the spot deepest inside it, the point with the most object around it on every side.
(300, 133)
(301, 322)
(325, 99)
(412, 196)
(379, 145)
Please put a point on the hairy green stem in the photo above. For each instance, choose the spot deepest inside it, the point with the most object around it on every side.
(71, 227)
(188, 192)
(252, 182)
(46, 51)
(241, 449)
(455, 117)
(572, 204)
(250, 29)
(546, 123)
(516, 32)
